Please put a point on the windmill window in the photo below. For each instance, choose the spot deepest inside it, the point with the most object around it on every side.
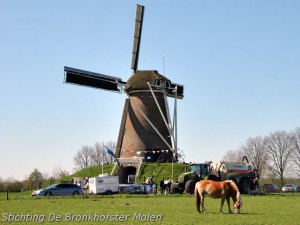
(162, 83)
(157, 82)
(165, 83)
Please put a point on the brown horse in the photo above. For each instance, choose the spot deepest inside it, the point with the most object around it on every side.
(223, 190)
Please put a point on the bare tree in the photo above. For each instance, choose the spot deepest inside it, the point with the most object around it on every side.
(83, 158)
(98, 154)
(254, 149)
(296, 155)
(59, 173)
(89, 156)
(279, 147)
(233, 156)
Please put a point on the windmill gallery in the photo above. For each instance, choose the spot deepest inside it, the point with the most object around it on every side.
(147, 132)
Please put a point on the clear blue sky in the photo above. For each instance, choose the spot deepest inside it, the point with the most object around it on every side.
(239, 62)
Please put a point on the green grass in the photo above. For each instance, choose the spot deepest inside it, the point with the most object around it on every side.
(173, 209)
(159, 171)
(92, 171)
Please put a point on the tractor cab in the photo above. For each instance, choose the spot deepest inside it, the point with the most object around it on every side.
(201, 170)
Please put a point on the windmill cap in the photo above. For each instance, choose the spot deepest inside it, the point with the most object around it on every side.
(138, 81)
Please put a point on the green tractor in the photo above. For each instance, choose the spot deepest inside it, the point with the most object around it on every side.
(194, 173)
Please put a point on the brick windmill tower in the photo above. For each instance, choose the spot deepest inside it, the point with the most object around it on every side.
(146, 131)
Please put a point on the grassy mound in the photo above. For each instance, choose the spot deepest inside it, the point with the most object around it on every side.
(92, 171)
(157, 170)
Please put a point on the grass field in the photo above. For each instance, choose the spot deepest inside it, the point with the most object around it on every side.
(141, 209)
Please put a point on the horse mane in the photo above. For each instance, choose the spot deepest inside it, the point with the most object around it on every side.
(235, 188)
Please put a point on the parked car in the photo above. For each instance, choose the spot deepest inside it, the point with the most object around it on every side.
(290, 188)
(270, 188)
(61, 189)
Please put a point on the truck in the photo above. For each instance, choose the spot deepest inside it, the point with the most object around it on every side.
(104, 184)
(242, 174)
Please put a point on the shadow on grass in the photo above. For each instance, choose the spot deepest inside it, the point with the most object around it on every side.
(231, 214)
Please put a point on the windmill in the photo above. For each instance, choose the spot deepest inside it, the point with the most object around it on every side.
(146, 129)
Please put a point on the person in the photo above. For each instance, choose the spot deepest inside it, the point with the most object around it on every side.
(169, 186)
(86, 183)
(149, 180)
(162, 185)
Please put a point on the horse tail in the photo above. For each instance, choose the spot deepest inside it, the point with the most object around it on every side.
(197, 196)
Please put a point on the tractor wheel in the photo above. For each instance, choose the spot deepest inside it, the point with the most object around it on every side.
(245, 186)
(190, 187)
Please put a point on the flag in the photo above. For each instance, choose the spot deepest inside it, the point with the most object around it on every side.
(107, 150)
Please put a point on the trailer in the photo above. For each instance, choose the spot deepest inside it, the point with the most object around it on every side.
(138, 188)
(104, 184)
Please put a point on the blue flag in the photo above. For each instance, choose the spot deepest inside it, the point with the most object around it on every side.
(107, 150)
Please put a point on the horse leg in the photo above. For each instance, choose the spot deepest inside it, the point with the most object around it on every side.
(228, 203)
(222, 203)
(202, 202)
(197, 195)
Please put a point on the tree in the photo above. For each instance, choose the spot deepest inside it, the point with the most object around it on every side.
(89, 156)
(83, 158)
(254, 149)
(36, 179)
(99, 155)
(233, 156)
(1, 185)
(58, 173)
(15, 186)
(296, 155)
(279, 147)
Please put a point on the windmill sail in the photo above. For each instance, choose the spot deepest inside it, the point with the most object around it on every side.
(91, 79)
(137, 36)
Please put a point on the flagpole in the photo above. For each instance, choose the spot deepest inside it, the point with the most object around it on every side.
(172, 167)
(102, 159)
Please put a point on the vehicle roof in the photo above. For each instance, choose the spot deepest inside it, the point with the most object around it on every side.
(53, 185)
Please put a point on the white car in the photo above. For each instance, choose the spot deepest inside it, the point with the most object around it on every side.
(289, 188)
